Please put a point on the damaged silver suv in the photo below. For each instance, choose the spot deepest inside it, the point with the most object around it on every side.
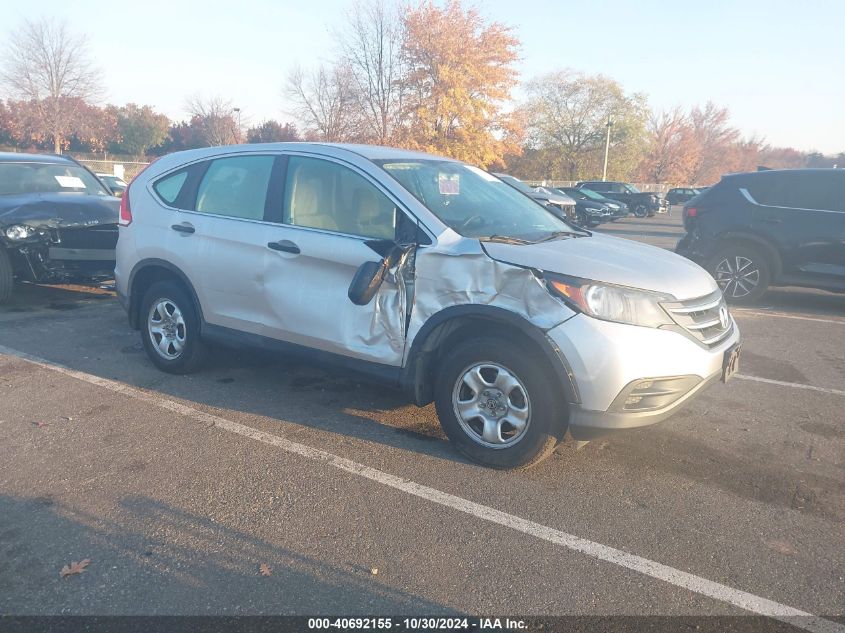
(424, 272)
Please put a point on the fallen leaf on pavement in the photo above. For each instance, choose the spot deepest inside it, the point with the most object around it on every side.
(39, 424)
(75, 568)
(374, 571)
(264, 569)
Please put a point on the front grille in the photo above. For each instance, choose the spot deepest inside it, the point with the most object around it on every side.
(706, 318)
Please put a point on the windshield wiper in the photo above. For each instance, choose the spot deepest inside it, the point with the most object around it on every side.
(507, 239)
(556, 235)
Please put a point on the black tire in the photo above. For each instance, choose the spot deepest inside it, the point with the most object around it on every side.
(747, 258)
(640, 211)
(194, 351)
(547, 414)
(7, 278)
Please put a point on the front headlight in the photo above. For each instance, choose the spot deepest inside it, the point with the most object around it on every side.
(619, 304)
(18, 232)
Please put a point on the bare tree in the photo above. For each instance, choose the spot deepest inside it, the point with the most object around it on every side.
(213, 119)
(325, 102)
(673, 150)
(371, 47)
(48, 66)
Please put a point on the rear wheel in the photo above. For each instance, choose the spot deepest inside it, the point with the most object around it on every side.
(7, 279)
(497, 405)
(170, 329)
(742, 272)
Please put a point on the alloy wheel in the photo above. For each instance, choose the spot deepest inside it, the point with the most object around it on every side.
(737, 276)
(491, 405)
(167, 329)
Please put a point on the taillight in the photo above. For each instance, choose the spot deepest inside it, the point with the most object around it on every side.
(125, 206)
(125, 209)
(691, 212)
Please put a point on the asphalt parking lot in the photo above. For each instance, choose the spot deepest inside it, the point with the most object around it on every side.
(178, 488)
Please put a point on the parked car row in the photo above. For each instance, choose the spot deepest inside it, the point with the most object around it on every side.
(581, 206)
(641, 203)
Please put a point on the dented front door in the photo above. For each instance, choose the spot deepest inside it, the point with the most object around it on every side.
(329, 213)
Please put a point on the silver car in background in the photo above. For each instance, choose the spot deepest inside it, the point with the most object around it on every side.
(424, 272)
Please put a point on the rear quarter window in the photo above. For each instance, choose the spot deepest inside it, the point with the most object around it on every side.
(169, 187)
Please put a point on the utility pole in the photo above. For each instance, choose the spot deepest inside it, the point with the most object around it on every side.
(608, 125)
(238, 112)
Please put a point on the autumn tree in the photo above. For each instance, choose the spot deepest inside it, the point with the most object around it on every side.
(50, 68)
(212, 120)
(567, 114)
(371, 49)
(460, 73)
(672, 150)
(138, 129)
(324, 100)
(272, 132)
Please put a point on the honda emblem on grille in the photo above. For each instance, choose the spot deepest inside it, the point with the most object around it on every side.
(724, 318)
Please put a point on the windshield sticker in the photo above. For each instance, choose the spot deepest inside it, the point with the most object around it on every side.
(449, 184)
(70, 182)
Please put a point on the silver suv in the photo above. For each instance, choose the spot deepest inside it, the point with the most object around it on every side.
(430, 274)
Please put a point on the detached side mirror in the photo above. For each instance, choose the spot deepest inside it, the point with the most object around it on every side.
(366, 282)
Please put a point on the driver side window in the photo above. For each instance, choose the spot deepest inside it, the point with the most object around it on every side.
(320, 194)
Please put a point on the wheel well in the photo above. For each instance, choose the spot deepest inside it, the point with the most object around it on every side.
(421, 370)
(769, 252)
(143, 279)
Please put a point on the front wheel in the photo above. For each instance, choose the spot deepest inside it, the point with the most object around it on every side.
(7, 278)
(742, 272)
(497, 405)
(640, 211)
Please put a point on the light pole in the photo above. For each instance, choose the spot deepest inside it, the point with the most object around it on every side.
(608, 125)
(238, 112)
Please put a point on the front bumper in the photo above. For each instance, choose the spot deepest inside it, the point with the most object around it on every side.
(607, 358)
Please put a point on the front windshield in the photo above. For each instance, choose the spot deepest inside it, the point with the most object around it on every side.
(18, 178)
(577, 194)
(592, 195)
(473, 202)
(632, 189)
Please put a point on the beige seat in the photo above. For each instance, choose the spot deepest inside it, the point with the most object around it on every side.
(305, 206)
(371, 220)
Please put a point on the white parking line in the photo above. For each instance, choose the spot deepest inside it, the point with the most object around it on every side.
(795, 385)
(676, 577)
(781, 315)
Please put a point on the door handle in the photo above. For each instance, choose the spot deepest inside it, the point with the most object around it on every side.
(286, 246)
(183, 228)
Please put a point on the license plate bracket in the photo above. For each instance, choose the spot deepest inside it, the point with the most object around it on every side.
(730, 362)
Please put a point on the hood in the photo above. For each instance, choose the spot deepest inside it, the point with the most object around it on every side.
(555, 198)
(58, 210)
(611, 260)
(592, 204)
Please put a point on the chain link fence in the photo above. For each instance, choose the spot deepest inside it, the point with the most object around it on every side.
(126, 170)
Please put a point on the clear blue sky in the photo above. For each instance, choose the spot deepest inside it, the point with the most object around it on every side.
(778, 65)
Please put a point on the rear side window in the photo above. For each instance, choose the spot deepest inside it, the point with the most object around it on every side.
(236, 187)
(799, 190)
(169, 187)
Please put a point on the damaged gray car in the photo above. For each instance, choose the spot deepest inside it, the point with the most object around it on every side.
(58, 223)
(429, 274)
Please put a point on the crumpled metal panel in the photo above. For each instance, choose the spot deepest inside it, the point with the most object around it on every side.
(456, 273)
(388, 326)
(58, 211)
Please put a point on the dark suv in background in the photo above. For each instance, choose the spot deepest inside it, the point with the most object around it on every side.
(641, 203)
(780, 227)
